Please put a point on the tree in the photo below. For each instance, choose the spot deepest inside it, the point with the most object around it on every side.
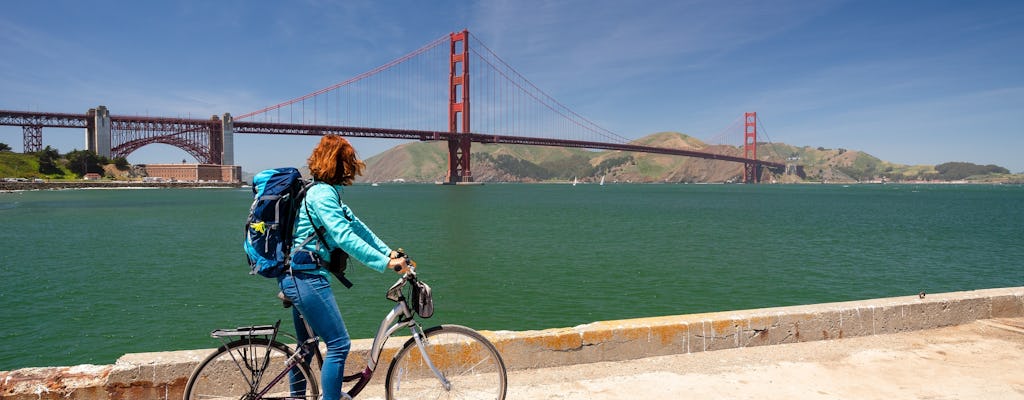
(121, 163)
(48, 159)
(4, 147)
(82, 162)
(961, 170)
(611, 163)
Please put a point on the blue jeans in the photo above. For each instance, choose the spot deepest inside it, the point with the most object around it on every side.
(312, 296)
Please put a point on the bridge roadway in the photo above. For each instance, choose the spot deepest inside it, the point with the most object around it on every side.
(389, 133)
(173, 127)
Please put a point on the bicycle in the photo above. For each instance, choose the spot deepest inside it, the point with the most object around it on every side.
(452, 361)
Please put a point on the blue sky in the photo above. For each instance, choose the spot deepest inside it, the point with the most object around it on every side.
(912, 82)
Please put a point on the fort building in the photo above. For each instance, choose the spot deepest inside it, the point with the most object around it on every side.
(194, 172)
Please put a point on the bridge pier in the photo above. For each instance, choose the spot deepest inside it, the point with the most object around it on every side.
(32, 138)
(228, 141)
(97, 131)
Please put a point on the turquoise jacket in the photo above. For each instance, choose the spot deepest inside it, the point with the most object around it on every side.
(344, 231)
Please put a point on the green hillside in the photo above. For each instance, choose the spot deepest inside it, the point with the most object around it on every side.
(17, 165)
(50, 164)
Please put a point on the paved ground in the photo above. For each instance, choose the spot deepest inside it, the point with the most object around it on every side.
(982, 360)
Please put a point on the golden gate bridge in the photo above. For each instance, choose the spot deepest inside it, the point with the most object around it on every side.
(429, 94)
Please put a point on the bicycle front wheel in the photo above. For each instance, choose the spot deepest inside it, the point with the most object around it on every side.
(246, 367)
(464, 357)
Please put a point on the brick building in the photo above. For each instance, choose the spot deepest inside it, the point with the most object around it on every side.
(195, 172)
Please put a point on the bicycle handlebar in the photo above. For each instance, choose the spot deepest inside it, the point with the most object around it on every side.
(408, 261)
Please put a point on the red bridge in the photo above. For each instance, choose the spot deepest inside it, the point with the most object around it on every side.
(424, 95)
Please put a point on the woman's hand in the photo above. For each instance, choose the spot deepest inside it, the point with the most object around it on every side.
(399, 265)
(397, 253)
(399, 261)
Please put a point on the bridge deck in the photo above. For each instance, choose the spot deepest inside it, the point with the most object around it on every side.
(171, 126)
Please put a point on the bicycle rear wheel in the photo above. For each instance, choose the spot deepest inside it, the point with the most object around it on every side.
(245, 367)
(467, 359)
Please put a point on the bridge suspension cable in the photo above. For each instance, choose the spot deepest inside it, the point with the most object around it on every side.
(508, 108)
(410, 92)
(730, 135)
(402, 93)
(417, 96)
(760, 123)
(420, 94)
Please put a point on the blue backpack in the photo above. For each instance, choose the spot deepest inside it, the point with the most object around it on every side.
(268, 232)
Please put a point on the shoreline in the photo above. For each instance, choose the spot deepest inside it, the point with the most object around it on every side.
(65, 185)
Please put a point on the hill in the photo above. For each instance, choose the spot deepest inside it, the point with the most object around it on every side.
(427, 162)
(17, 165)
(36, 166)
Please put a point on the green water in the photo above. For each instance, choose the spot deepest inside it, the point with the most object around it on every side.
(89, 275)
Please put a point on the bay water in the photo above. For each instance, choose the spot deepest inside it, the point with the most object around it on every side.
(89, 275)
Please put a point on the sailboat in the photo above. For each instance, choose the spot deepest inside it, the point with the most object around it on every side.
(602, 180)
(574, 181)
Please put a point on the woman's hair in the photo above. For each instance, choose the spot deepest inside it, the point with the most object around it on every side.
(334, 161)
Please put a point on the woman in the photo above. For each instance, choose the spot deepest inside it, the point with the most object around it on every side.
(333, 165)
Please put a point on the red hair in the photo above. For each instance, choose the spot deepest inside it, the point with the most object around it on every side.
(334, 161)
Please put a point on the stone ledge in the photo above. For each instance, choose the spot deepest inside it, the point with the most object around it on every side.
(163, 375)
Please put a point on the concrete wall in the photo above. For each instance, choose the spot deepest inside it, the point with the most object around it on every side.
(163, 375)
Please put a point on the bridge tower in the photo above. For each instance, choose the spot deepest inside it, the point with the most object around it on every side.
(97, 131)
(228, 140)
(458, 110)
(751, 170)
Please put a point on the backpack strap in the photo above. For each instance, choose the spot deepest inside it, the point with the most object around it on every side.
(339, 258)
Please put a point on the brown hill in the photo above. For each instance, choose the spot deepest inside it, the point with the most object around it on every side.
(428, 162)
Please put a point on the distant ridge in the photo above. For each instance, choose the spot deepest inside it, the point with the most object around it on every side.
(427, 162)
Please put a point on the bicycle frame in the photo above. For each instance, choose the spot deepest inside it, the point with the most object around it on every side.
(400, 316)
